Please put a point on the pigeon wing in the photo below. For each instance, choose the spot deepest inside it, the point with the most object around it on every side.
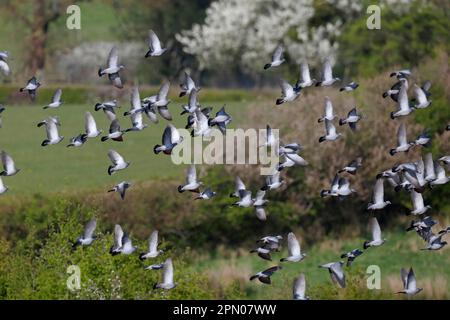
(293, 245)
(113, 58)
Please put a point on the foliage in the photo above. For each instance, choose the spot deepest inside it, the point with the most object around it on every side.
(403, 41)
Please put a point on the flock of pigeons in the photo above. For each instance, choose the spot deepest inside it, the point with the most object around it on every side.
(411, 177)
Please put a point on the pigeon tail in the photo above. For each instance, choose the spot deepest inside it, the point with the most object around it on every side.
(104, 138)
(267, 66)
(279, 101)
(342, 122)
(180, 189)
(142, 256)
(97, 106)
(392, 152)
(321, 139)
(100, 72)
(366, 245)
(156, 149)
(182, 94)
(45, 143)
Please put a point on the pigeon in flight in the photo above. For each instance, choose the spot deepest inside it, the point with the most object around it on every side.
(206, 194)
(9, 167)
(200, 125)
(352, 167)
(330, 132)
(263, 252)
(154, 45)
(352, 118)
(340, 187)
(420, 98)
(418, 205)
(4, 67)
(239, 185)
(288, 93)
(329, 115)
(122, 243)
(153, 251)
(349, 87)
(167, 282)
(423, 139)
(395, 89)
(114, 132)
(264, 276)
(273, 182)
(290, 160)
(54, 119)
(277, 58)
(135, 114)
(53, 136)
(327, 75)
(192, 184)
(188, 85)
(157, 266)
(78, 140)
(422, 227)
(305, 77)
(56, 100)
(118, 162)
(441, 176)
(294, 250)
(193, 103)
(3, 187)
(290, 148)
(110, 105)
(88, 236)
(113, 68)
(31, 87)
(245, 199)
(270, 138)
(221, 120)
(336, 272)
(378, 202)
(404, 107)
(259, 203)
(90, 126)
(376, 234)
(351, 256)
(161, 101)
(409, 282)
(401, 73)
(272, 240)
(299, 288)
(333, 191)
(402, 142)
(170, 139)
(121, 188)
(434, 241)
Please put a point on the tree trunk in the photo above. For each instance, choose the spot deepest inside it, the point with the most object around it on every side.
(38, 38)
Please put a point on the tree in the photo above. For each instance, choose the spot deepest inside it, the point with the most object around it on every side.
(37, 16)
(246, 32)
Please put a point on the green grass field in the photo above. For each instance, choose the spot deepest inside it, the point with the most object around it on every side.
(59, 169)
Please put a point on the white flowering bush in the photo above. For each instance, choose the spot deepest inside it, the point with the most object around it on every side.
(246, 32)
